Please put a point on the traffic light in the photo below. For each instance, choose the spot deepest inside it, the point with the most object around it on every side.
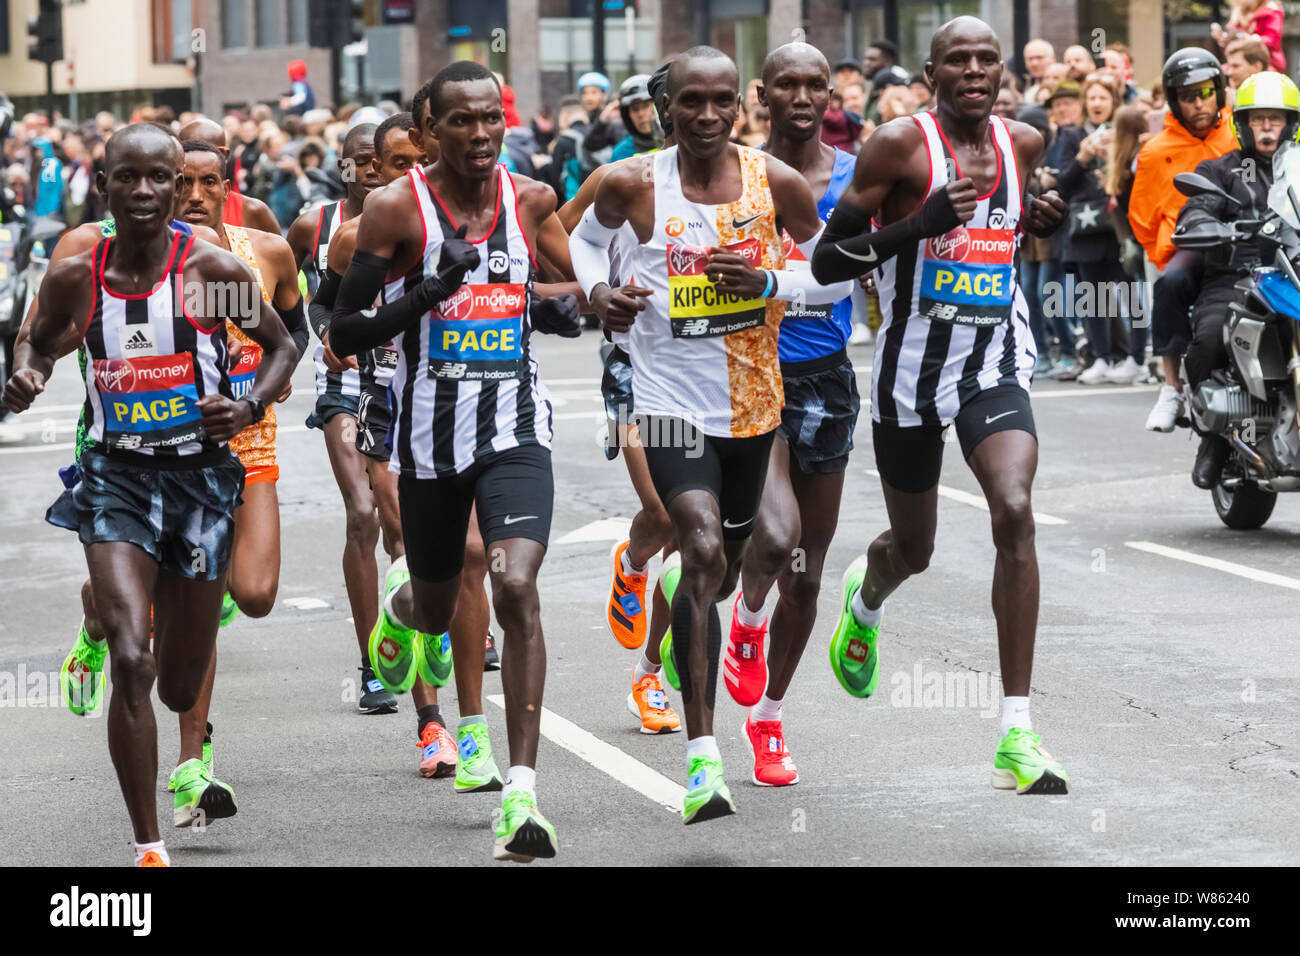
(335, 22)
(46, 33)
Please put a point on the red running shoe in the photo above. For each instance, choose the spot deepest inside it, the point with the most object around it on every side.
(437, 751)
(745, 668)
(773, 765)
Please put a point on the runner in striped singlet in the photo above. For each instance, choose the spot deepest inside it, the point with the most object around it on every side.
(954, 348)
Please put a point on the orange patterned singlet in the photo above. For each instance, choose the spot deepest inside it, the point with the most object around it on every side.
(255, 445)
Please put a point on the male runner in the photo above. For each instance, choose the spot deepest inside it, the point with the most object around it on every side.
(338, 390)
(472, 423)
(155, 504)
(704, 358)
(805, 478)
(239, 210)
(395, 155)
(254, 576)
(954, 347)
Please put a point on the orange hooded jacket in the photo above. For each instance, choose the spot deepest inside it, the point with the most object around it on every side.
(1155, 203)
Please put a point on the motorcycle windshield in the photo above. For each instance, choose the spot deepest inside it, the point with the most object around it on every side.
(1286, 185)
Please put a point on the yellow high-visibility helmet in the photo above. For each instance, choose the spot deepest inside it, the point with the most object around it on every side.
(1266, 91)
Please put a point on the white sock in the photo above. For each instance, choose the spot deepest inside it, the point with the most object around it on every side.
(520, 778)
(766, 709)
(746, 616)
(142, 848)
(644, 668)
(865, 615)
(1015, 713)
(628, 566)
(703, 747)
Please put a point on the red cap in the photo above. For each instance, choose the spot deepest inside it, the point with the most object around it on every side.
(297, 70)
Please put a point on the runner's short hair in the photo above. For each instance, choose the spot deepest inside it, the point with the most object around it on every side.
(400, 121)
(462, 71)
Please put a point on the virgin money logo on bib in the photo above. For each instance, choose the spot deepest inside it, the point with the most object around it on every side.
(490, 300)
(114, 375)
(952, 246)
(686, 260)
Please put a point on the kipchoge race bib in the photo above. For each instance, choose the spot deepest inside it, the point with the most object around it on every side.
(149, 401)
(477, 333)
(968, 276)
(697, 308)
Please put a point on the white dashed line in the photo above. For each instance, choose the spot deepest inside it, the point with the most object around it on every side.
(1216, 564)
(608, 759)
(977, 501)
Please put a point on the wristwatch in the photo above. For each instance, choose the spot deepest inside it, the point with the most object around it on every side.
(258, 406)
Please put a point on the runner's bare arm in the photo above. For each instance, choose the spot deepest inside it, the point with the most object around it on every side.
(286, 297)
(1045, 213)
(79, 240)
(357, 325)
(796, 209)
(60, 314)
(302, 234)
(849, 248)
(590, 242)
(258, 215)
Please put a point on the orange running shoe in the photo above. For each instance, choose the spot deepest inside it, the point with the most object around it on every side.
(437, 751)
(649, 703)
(152, 858)
(773, 765)
(626, 614)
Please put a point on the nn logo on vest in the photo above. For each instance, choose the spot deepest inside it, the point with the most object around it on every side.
(128, 910)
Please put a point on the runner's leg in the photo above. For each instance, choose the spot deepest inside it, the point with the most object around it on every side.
(254, 578)
(470, 623)
(360, 573)
(123, 578)
(523, 663)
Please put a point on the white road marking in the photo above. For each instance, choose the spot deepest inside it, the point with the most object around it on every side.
(1095, 391)
(549, 382)
(592, 417)
(28, 449)
(305, 603)
(608, 759)
(1216, 564)
(606, 529)
(977, 501)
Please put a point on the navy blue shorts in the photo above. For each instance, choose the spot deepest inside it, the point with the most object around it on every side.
(821, 412)
(330, 404)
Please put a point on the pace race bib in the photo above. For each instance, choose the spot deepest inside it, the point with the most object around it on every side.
(245, 370)
(968, 276)
(697, 308)
(477, 333)
(149, 401)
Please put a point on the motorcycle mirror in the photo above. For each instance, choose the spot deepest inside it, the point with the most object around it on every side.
(1283, 263)
(1194, 184)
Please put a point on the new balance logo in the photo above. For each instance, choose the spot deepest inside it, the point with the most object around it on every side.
(452, 370)
(129, 441)
(695, 327)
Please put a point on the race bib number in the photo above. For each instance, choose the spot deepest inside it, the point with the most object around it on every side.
(477, 333)
(245, 370)
(699, 309)
(149, 401)
(968, 277)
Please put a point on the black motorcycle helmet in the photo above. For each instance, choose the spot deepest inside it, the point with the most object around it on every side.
(636, 89)
(1192, 66)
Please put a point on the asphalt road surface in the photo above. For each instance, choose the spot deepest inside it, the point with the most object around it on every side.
(1165, 678)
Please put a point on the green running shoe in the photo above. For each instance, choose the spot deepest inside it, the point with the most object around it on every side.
(229, 609)
(707, 796)
(433, 658)
(199, 797)
(393, 654)
(82, 675)
(475, 770)
(853, 648)
(207, 761)
(669, 575)
(523, 834)
(1021, 764)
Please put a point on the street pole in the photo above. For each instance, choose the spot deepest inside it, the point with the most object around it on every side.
(49, 90)
(629, 17)
(598, 35)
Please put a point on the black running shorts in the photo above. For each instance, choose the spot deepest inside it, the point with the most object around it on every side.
(733, 470)
(513, 490)
(910, 458)
(182, 513)
(821, 412)
(374, 424)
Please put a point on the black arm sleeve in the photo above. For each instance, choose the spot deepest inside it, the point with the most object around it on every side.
(296, 324)
(321, 308)
(357, 324)
(848, 248)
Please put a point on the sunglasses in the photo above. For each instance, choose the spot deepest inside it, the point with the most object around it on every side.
(1191, 96)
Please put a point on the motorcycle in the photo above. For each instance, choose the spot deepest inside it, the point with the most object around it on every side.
(1254, 404)
(24, 258)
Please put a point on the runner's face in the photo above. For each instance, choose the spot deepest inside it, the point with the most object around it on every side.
(704, 107)
(360, 166)
(797, 98)
(471, 127)
(967, 75)
(423, 139)
(142, 185)
(400, 155)
(203, 190)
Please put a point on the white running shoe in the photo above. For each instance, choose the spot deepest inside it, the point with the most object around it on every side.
(1095, 373)
(1169, 405)
(1125, 372)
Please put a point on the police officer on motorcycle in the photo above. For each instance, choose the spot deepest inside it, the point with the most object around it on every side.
(1266, 116)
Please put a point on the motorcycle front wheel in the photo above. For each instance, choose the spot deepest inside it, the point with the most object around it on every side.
(1245, 507)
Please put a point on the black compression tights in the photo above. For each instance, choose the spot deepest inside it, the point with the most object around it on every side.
(682, 648)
